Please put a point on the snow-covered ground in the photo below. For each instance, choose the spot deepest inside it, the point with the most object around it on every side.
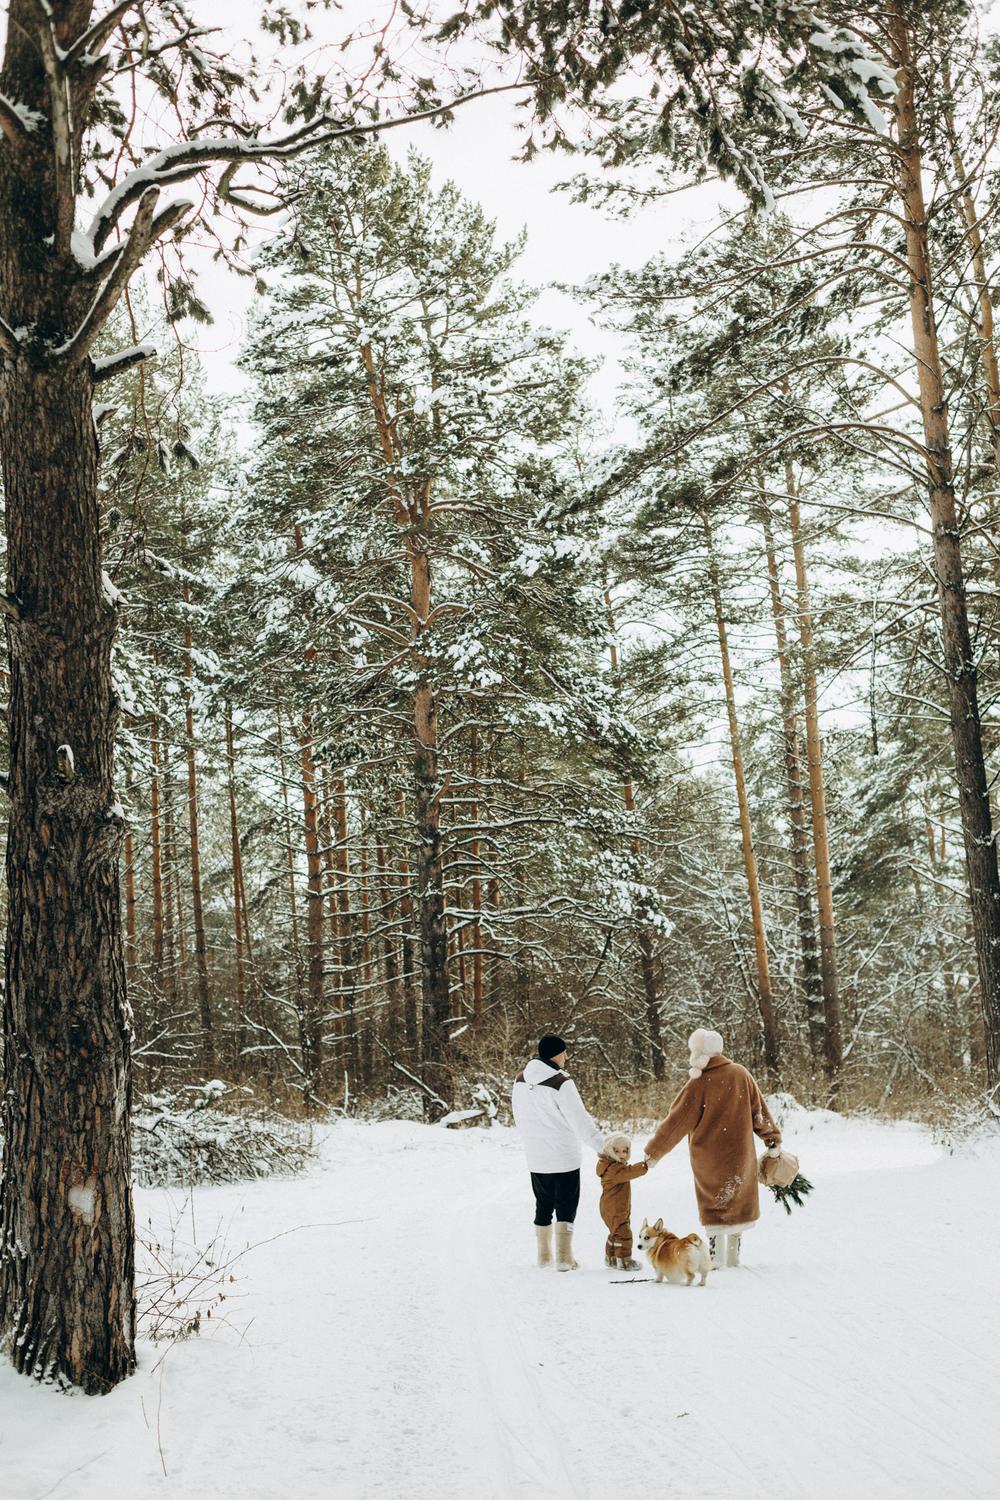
(390, 1337)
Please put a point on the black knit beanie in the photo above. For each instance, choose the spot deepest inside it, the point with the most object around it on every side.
(550, 1047)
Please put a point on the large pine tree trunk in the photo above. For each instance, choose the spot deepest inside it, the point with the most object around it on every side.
(765, 1002)
(812, 982)
(959, 658)
(67, 1302)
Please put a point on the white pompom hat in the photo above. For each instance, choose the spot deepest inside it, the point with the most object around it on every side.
(703, 1044)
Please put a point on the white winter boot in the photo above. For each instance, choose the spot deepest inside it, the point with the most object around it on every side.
(733, 1249)
(564, 1247)
(543, 1234)
(717, 1249)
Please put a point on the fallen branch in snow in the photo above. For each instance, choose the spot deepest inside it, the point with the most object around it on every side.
(177, 1142)
(632, 1281)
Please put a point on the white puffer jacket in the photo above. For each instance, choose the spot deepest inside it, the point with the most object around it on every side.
(551, 1118)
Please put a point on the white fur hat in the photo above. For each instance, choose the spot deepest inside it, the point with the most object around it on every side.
(703, 1045)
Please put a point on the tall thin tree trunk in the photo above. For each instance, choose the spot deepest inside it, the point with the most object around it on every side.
(412, 516)
(412, 1008)
(959, 657)
(764, 997)
(366, 1030)
(331, 881)
(428, 792)
(238, 900)
(477, 888)
(297, 976)
(197, 903)
(131, 933)
(395, 1019)
(156, 857)
(343, 863)
(311, 1013)
(174, 954)
(643, 941)
(832, 1036)
(812, 981)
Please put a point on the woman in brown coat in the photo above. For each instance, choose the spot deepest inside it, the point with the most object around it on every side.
(720, 1109)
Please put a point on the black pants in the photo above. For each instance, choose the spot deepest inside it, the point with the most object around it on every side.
(559, 1191)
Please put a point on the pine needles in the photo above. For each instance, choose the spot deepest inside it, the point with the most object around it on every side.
(799, 1188)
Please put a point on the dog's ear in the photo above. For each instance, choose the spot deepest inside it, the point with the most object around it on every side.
(645, 1225)
(658, 1225)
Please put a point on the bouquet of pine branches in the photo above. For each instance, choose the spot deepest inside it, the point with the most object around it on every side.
(781, 1174)
(799, 1187)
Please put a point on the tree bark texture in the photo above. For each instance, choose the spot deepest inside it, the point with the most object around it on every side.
(311, 1011)
(67, 1303)
(959, 659)
(197, 902)
(643, 940)
(765, 1000)
(833, 1036)
(812, 981)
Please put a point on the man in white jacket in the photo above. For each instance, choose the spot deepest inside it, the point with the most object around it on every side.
(552, 1121)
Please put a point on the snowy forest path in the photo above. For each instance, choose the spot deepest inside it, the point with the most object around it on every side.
(389, 1334)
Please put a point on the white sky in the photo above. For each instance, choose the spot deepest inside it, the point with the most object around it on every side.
(566, 242)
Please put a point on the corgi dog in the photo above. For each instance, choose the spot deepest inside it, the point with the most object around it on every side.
(674, 1259)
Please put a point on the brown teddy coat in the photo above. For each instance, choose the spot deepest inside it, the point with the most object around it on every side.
(720, 1112)
(616, 1201)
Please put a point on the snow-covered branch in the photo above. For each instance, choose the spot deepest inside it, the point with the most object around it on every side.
(17, 122)
(89, 42)
(185, 159)
(117, 364)
(77, 348)
(8, 340)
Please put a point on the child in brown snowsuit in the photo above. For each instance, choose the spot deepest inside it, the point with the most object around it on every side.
(616, 1176)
